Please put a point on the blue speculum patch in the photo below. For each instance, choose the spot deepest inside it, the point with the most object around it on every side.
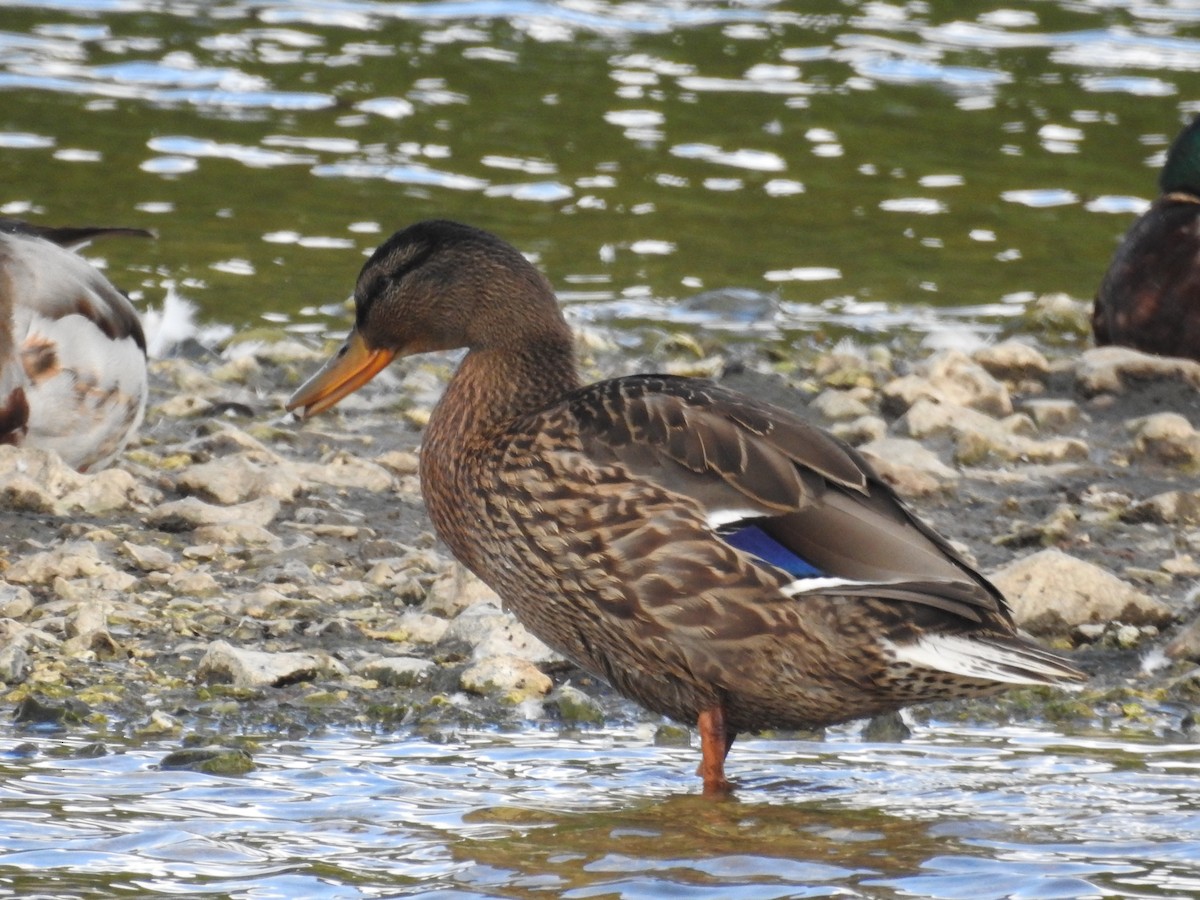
(752, 539)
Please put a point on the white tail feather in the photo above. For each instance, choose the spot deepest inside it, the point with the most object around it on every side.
(976, 658)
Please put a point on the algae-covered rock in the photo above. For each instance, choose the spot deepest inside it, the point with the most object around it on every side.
(210, 760)
(575, 707)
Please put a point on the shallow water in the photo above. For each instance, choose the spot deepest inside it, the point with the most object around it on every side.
(950, 813)
(866, 166)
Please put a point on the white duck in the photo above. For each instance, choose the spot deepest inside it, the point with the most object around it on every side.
(72, 351)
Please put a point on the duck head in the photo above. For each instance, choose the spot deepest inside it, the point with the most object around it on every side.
(436, 285)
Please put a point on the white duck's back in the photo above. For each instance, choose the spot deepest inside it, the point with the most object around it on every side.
(72, 353)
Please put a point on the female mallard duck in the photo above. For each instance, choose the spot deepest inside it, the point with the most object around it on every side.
(715, 558)
(1150, 296)
(72, 352)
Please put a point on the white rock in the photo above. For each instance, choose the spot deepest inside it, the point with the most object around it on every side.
(420, 628)
(862, 430)
(1167, 437)
(398, 671)
(147, 558)
(345, 470)
(490, 631)
(840, 405)
(15, 601)
(1014, 360)
(38, 480)
(1051, 413)
(233, 534)
(189, 513)
(1051, 591)
(88, 618)
(255, 668)
(978, 435)
(75, 559)
(457, 589)
(516, 679)
(1113, 369)
(908, 466)
(949, 377)
(237, 479)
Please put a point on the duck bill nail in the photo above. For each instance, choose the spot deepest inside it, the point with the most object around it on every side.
(350, 368)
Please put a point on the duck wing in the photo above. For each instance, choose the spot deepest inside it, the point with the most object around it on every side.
(775, 486)
(70, 237)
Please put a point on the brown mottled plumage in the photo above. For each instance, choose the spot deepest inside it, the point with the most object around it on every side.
(715, 558)
(72, 351)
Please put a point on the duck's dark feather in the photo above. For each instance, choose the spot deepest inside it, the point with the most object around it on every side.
(1149, 298)
(749, 463)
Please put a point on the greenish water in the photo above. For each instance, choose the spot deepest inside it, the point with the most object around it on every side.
(874, 165)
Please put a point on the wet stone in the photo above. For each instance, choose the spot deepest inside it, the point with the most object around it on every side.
(398, 671)
(210, 760)
(14, 663)
(575, 707)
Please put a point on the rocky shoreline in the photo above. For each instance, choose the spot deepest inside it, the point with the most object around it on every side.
(237, 573)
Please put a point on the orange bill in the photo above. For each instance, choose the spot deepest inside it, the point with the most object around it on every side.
(349, 369)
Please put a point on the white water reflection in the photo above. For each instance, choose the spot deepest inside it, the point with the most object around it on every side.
(953, 812)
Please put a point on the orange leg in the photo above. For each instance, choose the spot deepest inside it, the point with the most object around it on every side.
(715, 741)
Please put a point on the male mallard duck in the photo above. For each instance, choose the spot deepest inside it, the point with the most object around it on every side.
(72, 352)
(1150, 296)
(715, 558)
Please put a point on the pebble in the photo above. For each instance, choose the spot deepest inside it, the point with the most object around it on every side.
(909, 466)
(1168, 438)
(1118, 369)
(511, 677)
(951, 378)
(1013, 360)
(229, 568)
(224, 663)
(190, 513)
(398, 671)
